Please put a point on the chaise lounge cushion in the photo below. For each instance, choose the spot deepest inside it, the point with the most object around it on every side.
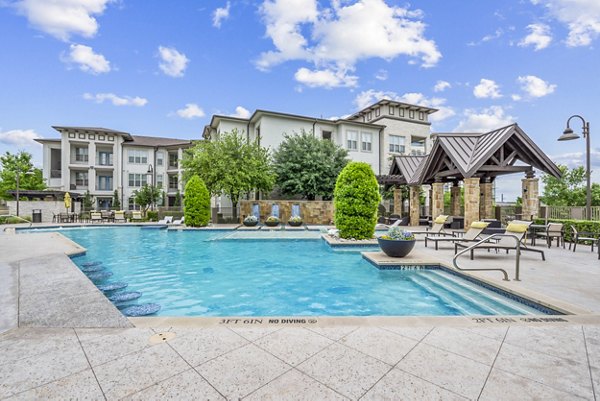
(441, 219)
(479, 224)
(516, 228)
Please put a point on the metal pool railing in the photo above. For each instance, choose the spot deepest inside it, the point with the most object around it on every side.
(486, 240)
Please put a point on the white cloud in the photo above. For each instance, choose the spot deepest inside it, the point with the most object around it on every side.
(241, 112)
(487, 89)
(87, 60)
(63, 18)
(325, 78)
(190, 111)
(441, 86)
(496, 35)
(539, 37)
(221, 14)
(19, 137)
(173, 63)
(582, 18)
(335, 39)
(382, 75)
(535, 87)
(515, 97)
(371, 96)
(484, 120)
(116, 100)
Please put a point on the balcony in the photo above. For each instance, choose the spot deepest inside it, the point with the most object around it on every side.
(55, 173)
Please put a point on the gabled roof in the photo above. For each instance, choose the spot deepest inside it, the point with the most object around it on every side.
(92, 129)
(466, 154)
(154, 141)
(408, 167)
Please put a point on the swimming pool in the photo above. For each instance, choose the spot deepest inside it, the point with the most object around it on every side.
(204, 273)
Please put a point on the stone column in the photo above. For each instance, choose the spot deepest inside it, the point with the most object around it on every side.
(486, 207)
(414, 204)
(455, 200)
(437, 199)
(471, 200)
(530, 196)
(398, 201)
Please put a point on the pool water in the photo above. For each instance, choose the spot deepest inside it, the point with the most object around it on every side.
(203, 273)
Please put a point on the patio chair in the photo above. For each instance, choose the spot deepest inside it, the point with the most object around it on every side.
(553, 230)
(96, 217)
(166, 220)
(436, 228)
(120, 216)
(517, 229)
(582, 236)
(471, 235)
(136, 215)
(179, 222)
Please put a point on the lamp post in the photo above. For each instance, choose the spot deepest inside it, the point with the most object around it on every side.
(568, 135)
(150, 173)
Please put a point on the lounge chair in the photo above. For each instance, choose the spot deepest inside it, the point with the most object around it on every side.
(179, 222)
(166, 220)
(578, 236)
(436, 228)
(553, 230)
(518, 229)
(120, 216)
(471, 235)
(136, 215)
(96, 217)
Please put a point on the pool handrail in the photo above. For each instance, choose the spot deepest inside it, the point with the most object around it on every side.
(485, 240)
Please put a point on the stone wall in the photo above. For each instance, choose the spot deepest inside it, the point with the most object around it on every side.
(312, 212)
(472, 195)
(486, 205)
(530, 196)
(437, 199)
(415, 205)
(48, 208)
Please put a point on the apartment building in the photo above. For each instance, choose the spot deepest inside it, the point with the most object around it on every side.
(101, 160)
(373, 135)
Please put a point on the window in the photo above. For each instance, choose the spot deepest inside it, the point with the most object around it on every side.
(137, 180)
(173, 182)
(92, 136)
(71, 135)
(81, 135)
(81, 178)
(401, 112)
(391, 110)
(366, 140)
(81, 154)
(101, 137)
(411, 114)
(111, 138)
(396, 144)
(417, 146)
(377, 112)
(421, 115)
(137, 156)
(105, 158)
(159, 180)
(327, 135)
(173, 162)
(159, 158)
(132, 205)
(105, 183)
(369, 116)
(352, 140)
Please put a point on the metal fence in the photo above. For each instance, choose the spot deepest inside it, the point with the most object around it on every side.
(569, 212)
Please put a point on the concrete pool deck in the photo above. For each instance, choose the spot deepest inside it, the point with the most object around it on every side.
(93, 356)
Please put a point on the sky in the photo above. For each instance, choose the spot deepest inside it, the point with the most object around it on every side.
(163, 68)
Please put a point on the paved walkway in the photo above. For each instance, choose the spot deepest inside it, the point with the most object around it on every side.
(363, 358)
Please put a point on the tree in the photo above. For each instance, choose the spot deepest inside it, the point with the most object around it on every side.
(88, 201)
(197, 203)
(231, 166)
(308, 166)
(116, 203)
(21, 162)
(146, 196)
(569, 190)
(356, 198)
(177, 201)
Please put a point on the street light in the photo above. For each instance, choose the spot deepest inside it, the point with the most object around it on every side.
(568, 135)
(18, 175)
(150, 171)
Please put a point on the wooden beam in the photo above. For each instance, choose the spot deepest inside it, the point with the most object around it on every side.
(448, 173)
(516, 169)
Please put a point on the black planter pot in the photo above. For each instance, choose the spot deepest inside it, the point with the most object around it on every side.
(250, 223)
(295, 223)
(396, 248)
(271, 223)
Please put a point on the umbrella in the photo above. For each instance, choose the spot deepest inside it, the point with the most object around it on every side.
(67, 201)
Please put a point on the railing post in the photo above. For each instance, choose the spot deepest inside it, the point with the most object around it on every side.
(517, 264)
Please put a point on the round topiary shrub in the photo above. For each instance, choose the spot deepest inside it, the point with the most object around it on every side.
(197, 203)
(356, 198)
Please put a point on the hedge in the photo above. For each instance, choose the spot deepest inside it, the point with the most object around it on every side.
(197, 203)
(356, 198)
(580, 225)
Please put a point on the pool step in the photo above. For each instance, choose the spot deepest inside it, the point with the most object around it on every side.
(443, 295)
(478, 291)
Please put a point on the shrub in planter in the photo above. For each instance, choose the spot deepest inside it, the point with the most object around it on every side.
(397, 242)
(295, 221)
(272, 221)
(152, 215)
(250, 221)
(197, 203)
(356, 198)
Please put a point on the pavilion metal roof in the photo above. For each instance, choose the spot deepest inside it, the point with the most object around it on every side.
(464, 155)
